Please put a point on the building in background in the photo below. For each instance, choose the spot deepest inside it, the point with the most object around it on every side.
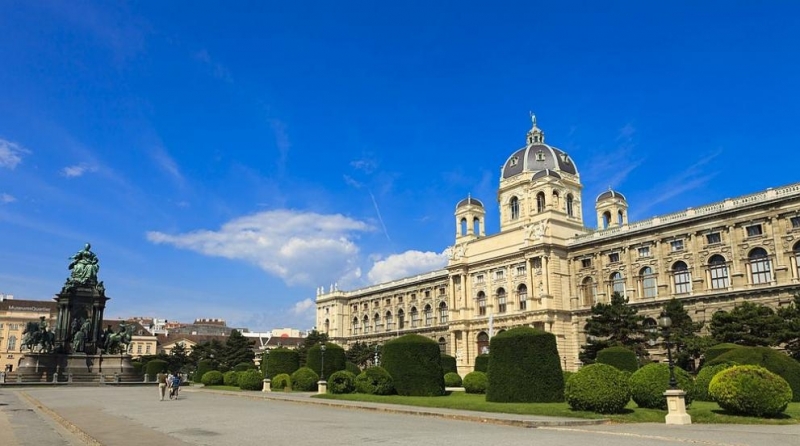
(14, 315)
(546, 269)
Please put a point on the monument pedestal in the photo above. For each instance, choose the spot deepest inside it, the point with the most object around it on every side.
(676, 404)
(36, 367)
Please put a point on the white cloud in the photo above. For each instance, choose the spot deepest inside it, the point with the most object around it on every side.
(6, 198)
(301, 248)
(77, 170)
(304, 307)
(166, 163)
(366, 165)
(406, 264)
(11, 153)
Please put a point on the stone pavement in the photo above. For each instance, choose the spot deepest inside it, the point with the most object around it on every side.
(134, 416)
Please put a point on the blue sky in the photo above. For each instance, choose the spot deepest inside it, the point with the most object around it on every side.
(226, 158)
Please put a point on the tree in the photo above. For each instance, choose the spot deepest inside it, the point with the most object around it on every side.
(178, 359)
(238, 349)
(314, 337)
(613, 324)
(683, 335)
(790, 335)
(360, 354)
(748, 324)
(207, 351)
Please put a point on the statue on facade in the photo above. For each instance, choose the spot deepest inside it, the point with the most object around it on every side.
(84, 266)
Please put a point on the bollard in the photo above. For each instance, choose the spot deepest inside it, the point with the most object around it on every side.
(267, 385)
(322, 387)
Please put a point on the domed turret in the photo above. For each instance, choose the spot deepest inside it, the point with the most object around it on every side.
(612, 209)
(537, 156)
(470, 219)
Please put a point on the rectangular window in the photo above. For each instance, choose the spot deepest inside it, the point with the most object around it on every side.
(501, 303)
(521, 270)
(713, 238)
(537, 263)
(676, 245)
(754, 230)
(644, 251)
(795, 222)
(147, 350)
(427, 294)
(479, 278)
(499, 275)
(388, 301)
(586, 263)
(441, 291)
(428, 317)
(683, 282)
(613, 257)
(139, 349)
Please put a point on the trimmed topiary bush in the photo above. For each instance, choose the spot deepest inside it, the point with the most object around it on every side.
(475, 382)
(243, 366)
(281, 382)
(525, 367)
(482, 363)
(202, 367)
(414, 363)
(750, 390)
(598, 388)
(343, 381)
(772, 360)
(304, 379)
(703, 379)
(212, 378)
(374, 381)
(619, 357)
(352, 368)
(155, 367)
(449, 364)
(138, 367)
(650, 382)
(281, 360)
(230, 378)
(452, 380)
(714, 351)
(567, 376)
(335, 359)
(251, 380)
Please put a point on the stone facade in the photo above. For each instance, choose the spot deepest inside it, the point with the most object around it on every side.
(546, 269)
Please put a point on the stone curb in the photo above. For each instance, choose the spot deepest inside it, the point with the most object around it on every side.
(483, 417)
(80, 433)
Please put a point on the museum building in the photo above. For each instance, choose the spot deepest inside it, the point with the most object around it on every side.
(546, 269)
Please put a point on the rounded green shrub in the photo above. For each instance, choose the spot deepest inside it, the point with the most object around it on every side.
(155, 367)
(352, 368)
(243, 366)
(212, 378)
(750, 390)
(567, 376)
(619, 357)
(475, 382)
(482, 363)
(414, 363)
(772, 360)
(452, 380)
(525, 367)
(449, 364)
(600, 388)
(650, 382)
(335, 359)
(251, 379)
(230, 378)
(374, 381)
(714, 351)
(704, 376)
(304, 379)
(281, 360)
(343, 381)
(203, 366)
(138, 367)
(281, 382)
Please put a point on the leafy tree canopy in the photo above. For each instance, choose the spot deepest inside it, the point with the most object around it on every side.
(790, 334)
(748, 324)
(238, 349)
(613, 324)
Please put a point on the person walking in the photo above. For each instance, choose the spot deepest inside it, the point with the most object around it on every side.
(161, 379)
(175, 386)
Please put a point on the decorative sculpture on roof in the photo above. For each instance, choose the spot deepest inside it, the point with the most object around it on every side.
(84, 266)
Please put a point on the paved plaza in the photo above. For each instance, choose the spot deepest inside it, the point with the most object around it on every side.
(113, 416)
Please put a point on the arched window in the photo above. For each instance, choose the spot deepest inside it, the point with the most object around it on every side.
(606, 219)
(401, 319)
(443, 313)
(366, 324)
(649, 288)
(428, 315)
(481, 303)
(570, 210)
(501, 300)
(389, 321)
(760, 270)
(514, 208)
(12, 343)
(378, 323)
(355, 325)
(619, 218)
(681, 278)
(718, 270)
(476, 226)
(462, 226)
(556, 204)
(618, 283)
(540, 202)
(796, 250)
(443, 346)
(589, 291)
(327, 325)
(522, 293)
(414, 317)
(483, 343)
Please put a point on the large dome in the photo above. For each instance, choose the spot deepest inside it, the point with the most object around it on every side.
(538, 156)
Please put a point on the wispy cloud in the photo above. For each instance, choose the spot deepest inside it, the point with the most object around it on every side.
(406, 264)
(303, 307)
(610, 168)
(78, 170)
(281, 142)
(11, 153)
(6, 198)
(380, 218)
(366, 165)
(216, 69)
(167, 164)
(301, 248)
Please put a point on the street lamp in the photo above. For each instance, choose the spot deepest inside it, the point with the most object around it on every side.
(665, 323)
(322, 365)
(266, 363)
(376, 356)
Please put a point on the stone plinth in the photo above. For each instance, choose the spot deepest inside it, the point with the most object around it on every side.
(267, 386)
(58, 367)
(322, 386)
(676, 405)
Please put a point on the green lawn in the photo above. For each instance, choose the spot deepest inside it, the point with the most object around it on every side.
(701, 412)
(231, 388)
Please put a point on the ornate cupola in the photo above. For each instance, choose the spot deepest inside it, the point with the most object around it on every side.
(470, 219)
(535, 134)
